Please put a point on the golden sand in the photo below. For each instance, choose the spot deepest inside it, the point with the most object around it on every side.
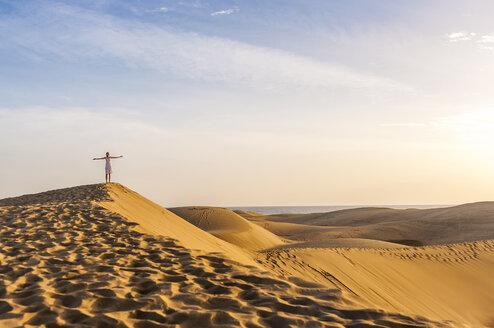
(104, 256)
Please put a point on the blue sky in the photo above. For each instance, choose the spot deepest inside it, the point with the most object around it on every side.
(250, 102)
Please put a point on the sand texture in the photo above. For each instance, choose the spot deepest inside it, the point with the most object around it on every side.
(104, 256)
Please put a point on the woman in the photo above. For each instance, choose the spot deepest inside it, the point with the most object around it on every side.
(108, 170)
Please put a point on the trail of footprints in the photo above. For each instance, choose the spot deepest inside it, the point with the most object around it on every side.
(452, 253)
(78, 265)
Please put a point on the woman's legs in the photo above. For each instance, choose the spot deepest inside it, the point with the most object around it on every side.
(106, 178)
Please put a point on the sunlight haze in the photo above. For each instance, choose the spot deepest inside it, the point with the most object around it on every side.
(251, 103)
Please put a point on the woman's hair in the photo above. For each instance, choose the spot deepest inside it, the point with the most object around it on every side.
(107, 154)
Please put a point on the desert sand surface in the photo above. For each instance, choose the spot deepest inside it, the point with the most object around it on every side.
(441, 282)
(103, 256)
(369, 254)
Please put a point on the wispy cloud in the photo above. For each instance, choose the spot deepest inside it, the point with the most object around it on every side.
(225, 11)
(461, 36)
(486, 42)
(72, 34)
(486, 39)
(161, 9)
(481, 41)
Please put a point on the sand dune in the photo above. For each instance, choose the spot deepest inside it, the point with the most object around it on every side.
(365, 267)
(102, 256)
(229, 226)
(469, 222)
(364, 252)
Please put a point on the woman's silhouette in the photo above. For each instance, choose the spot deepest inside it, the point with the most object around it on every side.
(108, 170)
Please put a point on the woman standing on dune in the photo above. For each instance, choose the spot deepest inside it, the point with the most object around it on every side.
(108, 170)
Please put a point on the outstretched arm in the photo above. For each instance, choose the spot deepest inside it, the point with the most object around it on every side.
(116, 156)
(96, 158)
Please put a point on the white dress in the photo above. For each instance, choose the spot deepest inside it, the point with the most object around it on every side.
(108, 165)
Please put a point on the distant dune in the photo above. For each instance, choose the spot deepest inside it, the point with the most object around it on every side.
(469, 222)
(104, 256)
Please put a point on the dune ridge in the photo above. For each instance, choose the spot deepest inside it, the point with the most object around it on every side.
(70, 258)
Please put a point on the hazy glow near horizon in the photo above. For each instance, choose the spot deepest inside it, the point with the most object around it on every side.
(238, 103)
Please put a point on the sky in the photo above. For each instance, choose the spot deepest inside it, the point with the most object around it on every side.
(251, 103)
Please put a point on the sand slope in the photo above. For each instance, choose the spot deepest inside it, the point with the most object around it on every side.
(154, 219)
(442, 282)
(229, 226)
(67, 261)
